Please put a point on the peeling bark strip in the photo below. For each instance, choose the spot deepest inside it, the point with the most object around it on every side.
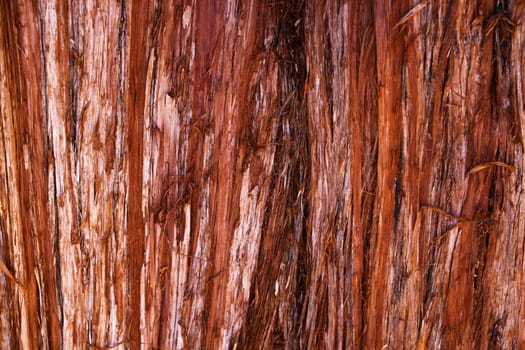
(262, 174)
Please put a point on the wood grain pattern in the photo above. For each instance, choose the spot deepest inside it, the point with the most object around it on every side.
(262, 174)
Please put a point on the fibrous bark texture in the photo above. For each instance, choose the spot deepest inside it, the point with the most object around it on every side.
(262, 174)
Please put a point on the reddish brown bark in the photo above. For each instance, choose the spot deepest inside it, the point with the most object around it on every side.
(254, 174)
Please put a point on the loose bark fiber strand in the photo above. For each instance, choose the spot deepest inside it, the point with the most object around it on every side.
(262, 174)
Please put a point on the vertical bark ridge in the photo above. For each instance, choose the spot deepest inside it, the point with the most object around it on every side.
(12, 314)
(50, 100)
(140, 53)
(339, 53)
(27, 142)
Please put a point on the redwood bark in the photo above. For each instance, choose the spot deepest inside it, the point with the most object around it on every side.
(262, 174)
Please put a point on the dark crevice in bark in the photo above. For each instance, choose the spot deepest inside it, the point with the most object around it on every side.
(75, 115)
(121, 112)
(293, 28)
(398, 197)
(45, 110)
(329, 77)
(75, 59)
(283, 228)
(497, 332)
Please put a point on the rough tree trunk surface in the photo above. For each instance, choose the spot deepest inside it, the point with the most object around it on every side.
(262, 174)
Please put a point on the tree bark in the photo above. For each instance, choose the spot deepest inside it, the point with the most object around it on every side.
(262, 174)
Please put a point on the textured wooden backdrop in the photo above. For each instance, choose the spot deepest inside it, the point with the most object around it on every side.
(262, 174)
